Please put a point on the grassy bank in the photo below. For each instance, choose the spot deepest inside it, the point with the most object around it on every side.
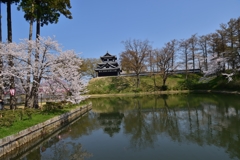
(13, 121)
(178, 82)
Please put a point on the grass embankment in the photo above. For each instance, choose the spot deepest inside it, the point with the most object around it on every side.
(13, 121)
(178, 82)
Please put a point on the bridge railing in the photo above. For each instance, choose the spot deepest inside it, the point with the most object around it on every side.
(171, 72)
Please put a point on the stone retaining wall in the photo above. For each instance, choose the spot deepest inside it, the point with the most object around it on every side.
(13, 142)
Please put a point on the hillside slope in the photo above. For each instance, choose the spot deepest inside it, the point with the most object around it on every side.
(111, 85)
(115, 85)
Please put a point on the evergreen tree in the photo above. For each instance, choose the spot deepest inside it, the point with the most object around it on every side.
(9, 38)
(42, 12)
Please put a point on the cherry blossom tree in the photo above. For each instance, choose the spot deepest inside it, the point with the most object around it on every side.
(228, 76)
(216, 65)
(10, 73)
(60, 67)
(65, 72)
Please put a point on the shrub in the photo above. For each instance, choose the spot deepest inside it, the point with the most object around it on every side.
(8, 117)
(137, 90)
(164, 87)
(50, 106)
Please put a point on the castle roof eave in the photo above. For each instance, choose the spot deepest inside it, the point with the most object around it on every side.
(98, 69)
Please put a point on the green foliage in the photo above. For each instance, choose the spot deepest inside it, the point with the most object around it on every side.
(189, 83)
(56, 107)
(137, 90)
(164, 88)
(23, 114)
(10, 1)
(88, 67)
(8, 117)
(213, 83)
(46, 11)
(221, 83)
(50, 106)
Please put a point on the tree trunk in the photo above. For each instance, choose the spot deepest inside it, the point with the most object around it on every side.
(193, 57)
(28, 96)
(9, 22)
(164, 81)
(154, 81)
(138, 80)
(186, 64)
(34, 91)
(38, 26)
(1, 58)
(164, 77)
(36, 78)
(10, 62)
(0, 22)
(1, 77)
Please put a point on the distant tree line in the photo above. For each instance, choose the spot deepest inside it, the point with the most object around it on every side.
(213, 53)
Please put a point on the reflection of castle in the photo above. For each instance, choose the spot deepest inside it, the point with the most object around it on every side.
(108, 67)
(111, 122)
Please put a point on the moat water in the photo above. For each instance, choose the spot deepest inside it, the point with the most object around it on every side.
(166, 127)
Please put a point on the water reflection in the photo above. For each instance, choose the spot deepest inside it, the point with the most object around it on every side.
(200, 119)
(61, 145)
(136, 127)
(111, 122)
(65, 150)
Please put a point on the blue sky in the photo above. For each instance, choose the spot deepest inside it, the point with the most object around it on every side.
(100, 26)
